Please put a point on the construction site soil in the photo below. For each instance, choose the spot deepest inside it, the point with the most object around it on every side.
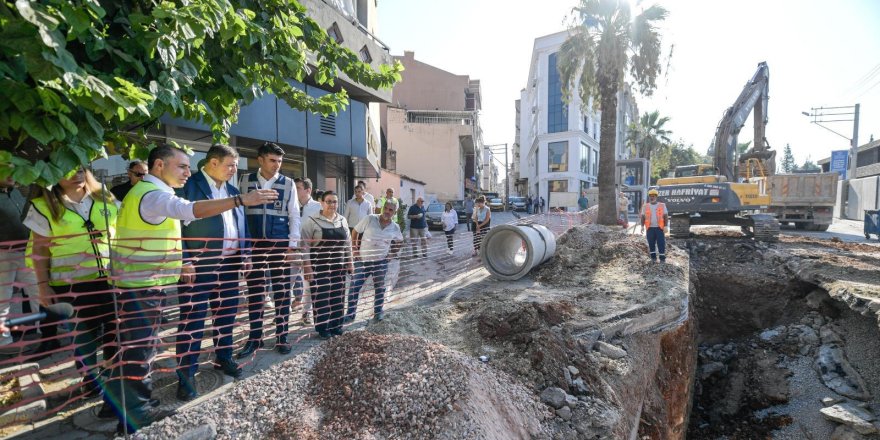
(730, 338)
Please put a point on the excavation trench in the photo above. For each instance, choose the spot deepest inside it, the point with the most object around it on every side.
(770, 347)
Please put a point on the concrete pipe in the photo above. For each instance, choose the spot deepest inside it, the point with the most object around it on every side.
(509, 252)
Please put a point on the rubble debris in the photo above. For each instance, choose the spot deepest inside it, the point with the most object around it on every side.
(611, 351)
(851, 415)
(836, 371)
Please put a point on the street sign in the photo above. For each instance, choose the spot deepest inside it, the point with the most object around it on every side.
(839, 161)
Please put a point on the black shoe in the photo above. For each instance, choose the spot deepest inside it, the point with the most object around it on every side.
(282, 346)
(249, 348)
(186, 392)
(348, 319)
(150, 415)
(379, 317)
(90, 390)
(106, 412)
(324, 335)
(229, 367)
(336, 332)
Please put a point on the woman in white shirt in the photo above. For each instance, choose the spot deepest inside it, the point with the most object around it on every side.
(450, 221)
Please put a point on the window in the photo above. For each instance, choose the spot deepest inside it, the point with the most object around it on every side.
(587, 125)
(585, 158)
(595, 162)
(557, 156)
(557, 185)
(584, 186)
(365, 55)
(334, 33)
(556, 117)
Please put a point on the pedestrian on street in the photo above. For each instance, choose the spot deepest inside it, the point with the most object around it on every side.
(622, 209)
(529, 203)
(450, 221)
(328, 259)
(358, 207)
(275, 231)
(308, 207)
(217, 248)
(137, 169)
(655, 219)
(542, 205)
(469, 210)
(369, 197)
(13, 239)
(147, 265)
(389, 195)
(375, 240)
(69, 252)
(583, 201)
(418, 227)
(482, 218)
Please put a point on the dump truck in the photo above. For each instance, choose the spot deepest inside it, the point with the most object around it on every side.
(805, 200)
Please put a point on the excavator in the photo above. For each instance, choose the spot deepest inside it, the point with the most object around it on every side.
(731, 191)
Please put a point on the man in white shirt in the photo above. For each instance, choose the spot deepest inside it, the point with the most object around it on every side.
(218, 262)
(369, 197)
(358, 207)
(275, 231)
(309, 207)
(375, 240)
(146, 212)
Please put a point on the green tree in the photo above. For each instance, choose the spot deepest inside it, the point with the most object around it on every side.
(648, 137)
(605, 43)
(77, 76)
(809, 166)
(788, 163)
(675, 156)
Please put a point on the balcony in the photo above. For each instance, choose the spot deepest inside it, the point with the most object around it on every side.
(346, 27)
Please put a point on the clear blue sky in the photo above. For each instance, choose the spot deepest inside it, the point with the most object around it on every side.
(820, 53)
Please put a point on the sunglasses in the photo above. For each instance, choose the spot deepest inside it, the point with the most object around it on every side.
(138, 174)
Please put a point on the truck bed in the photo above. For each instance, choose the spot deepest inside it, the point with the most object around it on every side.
(813, 189)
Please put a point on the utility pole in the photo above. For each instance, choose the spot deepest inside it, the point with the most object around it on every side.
(506, 171)
(819, 115)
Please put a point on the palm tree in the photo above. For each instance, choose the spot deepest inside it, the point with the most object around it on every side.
(606, 43)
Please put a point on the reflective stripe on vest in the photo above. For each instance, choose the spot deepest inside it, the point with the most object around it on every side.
(145, 255)
(661, 209)
(74, 254)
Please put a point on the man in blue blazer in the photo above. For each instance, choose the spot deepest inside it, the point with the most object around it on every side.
(215, 246)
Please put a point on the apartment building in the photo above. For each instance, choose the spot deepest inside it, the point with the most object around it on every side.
(432, 130)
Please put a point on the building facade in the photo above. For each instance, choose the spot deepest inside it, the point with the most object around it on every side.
(334, 150)
(431, 130)
(558, 143)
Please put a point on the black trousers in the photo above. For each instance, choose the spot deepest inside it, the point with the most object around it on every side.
(328, 297)
(268, 266)
(130, 387)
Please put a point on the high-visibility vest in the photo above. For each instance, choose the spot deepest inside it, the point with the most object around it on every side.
(661, 210)
(272, 219)
(381, 204)
(79, 249)
(145, 255)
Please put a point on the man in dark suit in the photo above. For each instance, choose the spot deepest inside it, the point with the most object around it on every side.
(217, 263)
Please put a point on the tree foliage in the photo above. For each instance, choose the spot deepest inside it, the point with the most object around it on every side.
(808, 166)
(676, 154)
(788, 163)
(648, 136)
(77, 76)
(606, 42)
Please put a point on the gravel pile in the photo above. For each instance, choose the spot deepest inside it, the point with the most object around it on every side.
(401, 386)
(367, 386)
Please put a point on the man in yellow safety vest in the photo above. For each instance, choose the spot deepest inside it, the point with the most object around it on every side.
(146, 263)
(654, 219)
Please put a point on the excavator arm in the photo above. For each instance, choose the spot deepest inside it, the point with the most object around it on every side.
(753, 98)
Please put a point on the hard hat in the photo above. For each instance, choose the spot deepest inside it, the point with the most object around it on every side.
(652, 192)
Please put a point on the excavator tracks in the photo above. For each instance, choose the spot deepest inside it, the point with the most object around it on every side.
(680, 226)
(765, 227)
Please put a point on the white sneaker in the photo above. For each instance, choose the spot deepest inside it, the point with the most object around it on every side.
(449, 251)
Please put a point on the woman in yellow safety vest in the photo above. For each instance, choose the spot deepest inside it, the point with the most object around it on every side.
(71, 223)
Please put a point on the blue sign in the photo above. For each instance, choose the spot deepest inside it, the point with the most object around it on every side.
(839, 161)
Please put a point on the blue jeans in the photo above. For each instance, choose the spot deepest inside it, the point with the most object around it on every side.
(656, 240)
(216, 286)
(362, 271)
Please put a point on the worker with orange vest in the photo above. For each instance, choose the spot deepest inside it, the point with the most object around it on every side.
(655, 219)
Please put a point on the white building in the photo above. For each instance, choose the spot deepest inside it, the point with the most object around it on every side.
(559, 144)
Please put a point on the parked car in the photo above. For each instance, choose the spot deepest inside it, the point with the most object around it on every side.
(458, 206)
(496, 204)
(517, 203)
(434, 214)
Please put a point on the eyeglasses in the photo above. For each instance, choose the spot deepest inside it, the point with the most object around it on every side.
(138, 174)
